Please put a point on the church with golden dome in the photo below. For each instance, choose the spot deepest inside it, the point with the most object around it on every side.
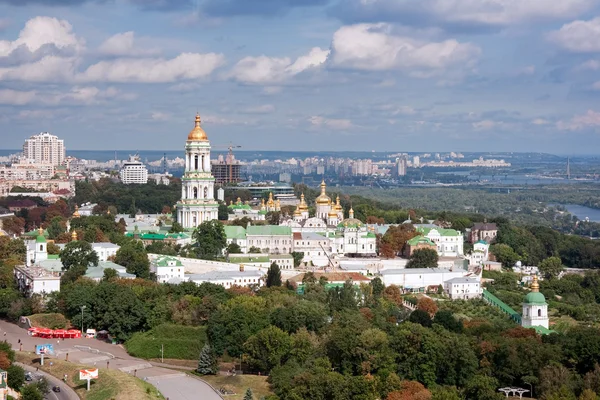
(197, 202)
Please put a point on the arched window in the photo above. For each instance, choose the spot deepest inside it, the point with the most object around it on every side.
(41, 247)
(527, 312)
(205, 192)
(539, 312)
(196, 163)
(195, 193)
(202, 162)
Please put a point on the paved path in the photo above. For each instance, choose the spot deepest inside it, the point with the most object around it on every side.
(66, 393)
(173, 384)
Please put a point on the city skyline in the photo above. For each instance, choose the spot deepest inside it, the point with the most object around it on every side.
(314, 75)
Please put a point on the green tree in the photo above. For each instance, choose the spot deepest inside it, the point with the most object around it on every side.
(56, 227)
(233, 248)
(16, 377)
(423, 258)
(210, 240)
(78, 254)
(31, 392)
(110, 274)
(223, 214)
(249, 395)
(207, 364)
(298, 257)
(504, 254)
(273, 217)
(446, 319)
(551, 267)
(268, 349)
(176, 228)
(482, 387)
(254, 250)
(420, 317)
(273, 275)
(42, 385)
(133, 256)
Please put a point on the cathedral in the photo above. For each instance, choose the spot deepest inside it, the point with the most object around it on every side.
(346, 235)
(197, 202)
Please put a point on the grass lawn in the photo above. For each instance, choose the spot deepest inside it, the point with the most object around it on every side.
(111, 384)
(240, 383)
(177, 341)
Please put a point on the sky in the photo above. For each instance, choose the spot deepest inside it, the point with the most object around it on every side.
(383, 75)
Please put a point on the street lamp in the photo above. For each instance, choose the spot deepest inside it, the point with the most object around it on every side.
(82, 308)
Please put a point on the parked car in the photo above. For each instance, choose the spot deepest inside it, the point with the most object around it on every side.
(56, 389)
(28, 377)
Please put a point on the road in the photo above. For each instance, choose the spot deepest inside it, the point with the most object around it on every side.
(66, 393)
(173, 384)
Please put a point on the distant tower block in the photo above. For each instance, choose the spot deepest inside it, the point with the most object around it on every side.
(568, 168)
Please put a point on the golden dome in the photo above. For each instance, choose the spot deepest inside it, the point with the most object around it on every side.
(297, 212)
(76, 213)
(302, 206)
(338, 206)
(333, 213)
(271, 202)
(323, 199)
(197, 134)
(74, 236)
(535, 286)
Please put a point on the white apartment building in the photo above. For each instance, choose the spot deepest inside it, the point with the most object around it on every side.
(316, 248)
(44, 148)
(32, 280)
(166, 268)
(463, 288)
(228, 279)
(133, 171)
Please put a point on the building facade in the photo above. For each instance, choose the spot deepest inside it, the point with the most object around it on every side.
(197, 203)
(44, 148)
(133, 171)
(166, 268)
(535, 308)
(463, 288)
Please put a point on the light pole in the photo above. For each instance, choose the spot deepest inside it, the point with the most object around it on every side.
(82, 308)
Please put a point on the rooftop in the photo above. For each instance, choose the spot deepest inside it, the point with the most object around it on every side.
(235, 232)
(463, 280)
(222, 275)
(416, 271)
(334, 277)
(269, 230)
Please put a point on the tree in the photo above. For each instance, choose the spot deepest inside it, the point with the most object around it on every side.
(207, 364)
(14, 225)
(423, 258)
(504, 254)
(233, 248)
(16, 377)
(273, 217)
(551, 267)
(31, 392)
(482, 387)
(446, 319)
(298, 257)
(56, 227)
(268, 349)
(210, 240)
(78, 254)
(42, 385)
(420, 317)
(133, 256)
(428, 305)
(254, 250)
(273, 275)
(110, 274)
(249, 395)
(176, 228)
(393, 294)
(52, 248)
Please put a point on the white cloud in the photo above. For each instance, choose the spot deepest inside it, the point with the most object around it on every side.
(154, 70)
(160, 116)
(540, 121)
(123, 44)
(264, 70)
(48, 69)
(578, 36)
(591, 119)
(77, 95)
(498, 13)
(331, 123)
(262, 109)
(40, 31)
(373, 47)
(484, 125)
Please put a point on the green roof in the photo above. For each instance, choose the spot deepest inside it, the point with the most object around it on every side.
(442, 231)
(235, 232)
(240, 207)
(164, 261)
(53, 256)
(269, 230)
(40, 239)
(542, 330)
(535, 298)
(420, 239)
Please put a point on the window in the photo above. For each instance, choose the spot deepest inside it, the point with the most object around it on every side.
(539, 312)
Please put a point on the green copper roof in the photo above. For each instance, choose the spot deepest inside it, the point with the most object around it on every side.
(235, 232)
(269, 230)
(250, 258)
(164, 261)
(535, 298)
(441, 231)
(420, 239)
(541, 330)
(40, 239)
(239, 207)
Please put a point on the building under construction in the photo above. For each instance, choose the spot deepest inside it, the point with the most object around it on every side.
(226, 169)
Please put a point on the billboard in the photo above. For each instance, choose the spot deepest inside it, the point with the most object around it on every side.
(46, 349)
(85, 374)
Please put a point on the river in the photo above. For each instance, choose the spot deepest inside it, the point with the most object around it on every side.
(583, 212)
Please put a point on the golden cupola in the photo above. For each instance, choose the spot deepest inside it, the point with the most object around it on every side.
(302, 206)
(271, 202)
(197, 134)
(323, 199)
(338, 206)
(76, 213)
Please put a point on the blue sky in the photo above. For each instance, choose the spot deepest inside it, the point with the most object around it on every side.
(398, 75)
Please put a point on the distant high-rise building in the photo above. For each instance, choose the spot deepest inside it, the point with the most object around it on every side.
(416, 161)
(401, 166)
(285, 177)
(134, 171)
(44, 149)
